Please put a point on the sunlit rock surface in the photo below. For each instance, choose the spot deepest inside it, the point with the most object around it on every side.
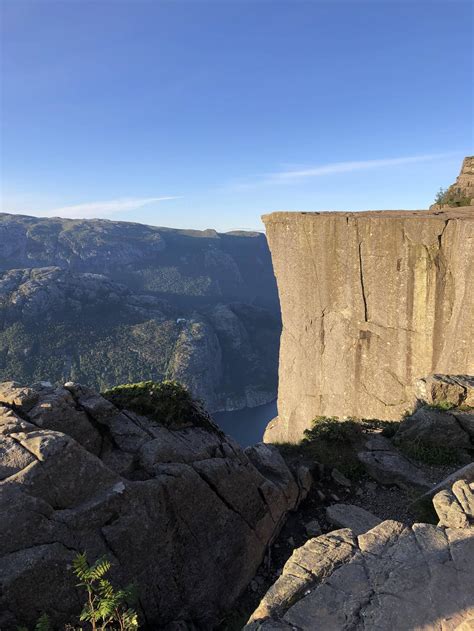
(371, 301)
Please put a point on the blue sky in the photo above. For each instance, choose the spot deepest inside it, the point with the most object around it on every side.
(209, 113)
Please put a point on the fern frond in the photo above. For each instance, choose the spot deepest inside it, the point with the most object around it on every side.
(100, 567)
(130, 620)
(43, 623)
(81, 566)
(105, 588)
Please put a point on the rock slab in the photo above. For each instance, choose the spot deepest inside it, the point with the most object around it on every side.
(393, 577)
(356, 518)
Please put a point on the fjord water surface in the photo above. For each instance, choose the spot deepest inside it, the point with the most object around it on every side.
(247, 425)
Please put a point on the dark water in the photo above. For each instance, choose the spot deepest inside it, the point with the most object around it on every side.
(247, 426)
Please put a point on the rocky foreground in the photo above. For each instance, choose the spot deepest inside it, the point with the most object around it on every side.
(392, 577)
(177, 507)
(204, 529)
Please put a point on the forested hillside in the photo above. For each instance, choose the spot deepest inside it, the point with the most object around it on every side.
(107, 302)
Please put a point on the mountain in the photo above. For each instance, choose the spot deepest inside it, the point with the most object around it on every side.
(108, 302)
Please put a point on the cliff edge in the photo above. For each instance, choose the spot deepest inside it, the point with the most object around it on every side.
(371, 301)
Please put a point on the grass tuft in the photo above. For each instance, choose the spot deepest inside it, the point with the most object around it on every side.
(168, 403)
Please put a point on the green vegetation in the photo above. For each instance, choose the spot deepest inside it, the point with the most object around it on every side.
(429, 454)
(441, 405)
(451, 197)
(43, 624)
(167, 403)
(105, 609)
(330, 441)
(334, 442)
(99, 354)
(332, 429)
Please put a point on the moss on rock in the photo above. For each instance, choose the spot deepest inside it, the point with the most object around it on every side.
(167, 403)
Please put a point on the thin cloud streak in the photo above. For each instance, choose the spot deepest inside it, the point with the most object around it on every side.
(347, 167)
(107, 208)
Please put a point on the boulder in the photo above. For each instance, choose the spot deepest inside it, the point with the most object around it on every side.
(423, 503)
(392, 577)
(183, 512)
(440, 389)
(356, 518)
(388, 466)
(313, 528)
(455, 506)
(449, 429)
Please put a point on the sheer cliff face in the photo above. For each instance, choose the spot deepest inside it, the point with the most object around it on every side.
(370, 302)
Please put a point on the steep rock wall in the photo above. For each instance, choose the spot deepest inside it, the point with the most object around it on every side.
(370, 301)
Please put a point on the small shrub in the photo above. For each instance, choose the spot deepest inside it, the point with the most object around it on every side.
(330, 428)
(439, 455)
(441, 405)
(43, 623)
(167, 403)
(330, 442)
(105, 608)
(441, 195)
(452, 197)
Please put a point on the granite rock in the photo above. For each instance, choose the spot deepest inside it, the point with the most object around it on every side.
(183, 512)
(371, 302)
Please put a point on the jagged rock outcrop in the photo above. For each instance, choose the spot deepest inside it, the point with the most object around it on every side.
(438, 390)
(448, 429)
(371, 302)
(123, 303)
(391, 577)
(444, 418)
(177, 507)
(462, 191)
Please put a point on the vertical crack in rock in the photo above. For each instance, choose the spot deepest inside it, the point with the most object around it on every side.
(362, 287)
(389, 298)
(440, 236)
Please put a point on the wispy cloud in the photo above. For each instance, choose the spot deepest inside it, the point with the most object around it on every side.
(102, 208)
(347, 167)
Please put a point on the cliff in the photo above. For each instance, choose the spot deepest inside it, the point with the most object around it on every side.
(108, 302)
(370, 302)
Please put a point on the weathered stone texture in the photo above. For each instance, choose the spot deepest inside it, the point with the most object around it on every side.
(183, 512)
(371, 302)
(392, 577)
(463, 187)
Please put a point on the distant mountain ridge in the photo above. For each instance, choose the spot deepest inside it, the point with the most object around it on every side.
(109, 302)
